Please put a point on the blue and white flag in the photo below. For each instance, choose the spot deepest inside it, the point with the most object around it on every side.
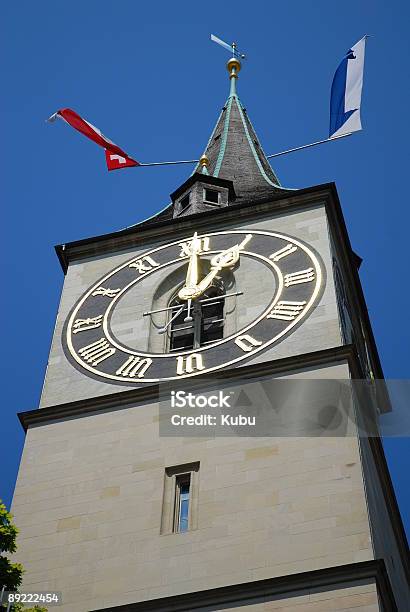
(346, 92)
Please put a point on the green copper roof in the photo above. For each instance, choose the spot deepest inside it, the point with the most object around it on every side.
(234, 153)
(224, 137)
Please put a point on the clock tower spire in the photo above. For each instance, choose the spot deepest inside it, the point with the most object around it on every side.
(234, 150)
(234, 155)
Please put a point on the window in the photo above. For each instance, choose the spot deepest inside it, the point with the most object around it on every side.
(181, 330)
(203, 324)
(181, 518)
(180, 501)
(212, 321)
(211, 196)
(184, 203)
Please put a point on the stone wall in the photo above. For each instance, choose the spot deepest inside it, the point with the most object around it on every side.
(89, 498)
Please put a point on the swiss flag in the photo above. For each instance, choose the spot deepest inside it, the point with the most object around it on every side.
(116, 161)
(116, 158)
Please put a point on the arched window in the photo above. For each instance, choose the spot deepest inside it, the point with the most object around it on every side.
(204, 323)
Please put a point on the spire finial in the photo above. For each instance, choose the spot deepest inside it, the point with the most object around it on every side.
(233, 66)
(204, 163)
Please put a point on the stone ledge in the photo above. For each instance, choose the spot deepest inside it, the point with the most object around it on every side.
(260, 589)
(123, 399)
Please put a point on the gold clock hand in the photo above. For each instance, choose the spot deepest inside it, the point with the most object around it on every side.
(192, 272)
(207, 280)
(188, 290)
(225, 259)
(230, 256)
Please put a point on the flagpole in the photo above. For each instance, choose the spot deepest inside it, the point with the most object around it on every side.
(168, 163)
(312, 144)
(306, 146)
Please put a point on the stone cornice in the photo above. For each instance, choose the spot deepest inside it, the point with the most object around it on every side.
(116, 401)
(147, 232)
(260, 590)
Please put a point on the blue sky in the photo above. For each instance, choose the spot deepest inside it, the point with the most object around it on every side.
(148, 77)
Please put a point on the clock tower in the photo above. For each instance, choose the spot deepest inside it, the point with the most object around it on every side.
(239, 281)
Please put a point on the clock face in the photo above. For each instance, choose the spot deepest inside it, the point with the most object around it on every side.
(231, 294)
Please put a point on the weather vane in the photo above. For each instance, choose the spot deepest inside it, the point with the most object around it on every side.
(232, 48)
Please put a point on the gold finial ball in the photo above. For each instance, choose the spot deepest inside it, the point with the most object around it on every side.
(204, 161)
(233, 66)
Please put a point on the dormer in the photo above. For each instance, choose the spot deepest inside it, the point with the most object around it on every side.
(201, 193)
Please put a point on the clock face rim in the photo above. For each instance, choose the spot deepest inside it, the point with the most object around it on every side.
(320, 276)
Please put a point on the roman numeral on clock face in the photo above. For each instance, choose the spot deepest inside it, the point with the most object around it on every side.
(134, 366)
(144, 265)
(97, 351)
(85, 324)
(247, 343)
(186, 247)
(189, 364)
(287, 250)
(106, 292)
(295, 278)
(286, 311)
